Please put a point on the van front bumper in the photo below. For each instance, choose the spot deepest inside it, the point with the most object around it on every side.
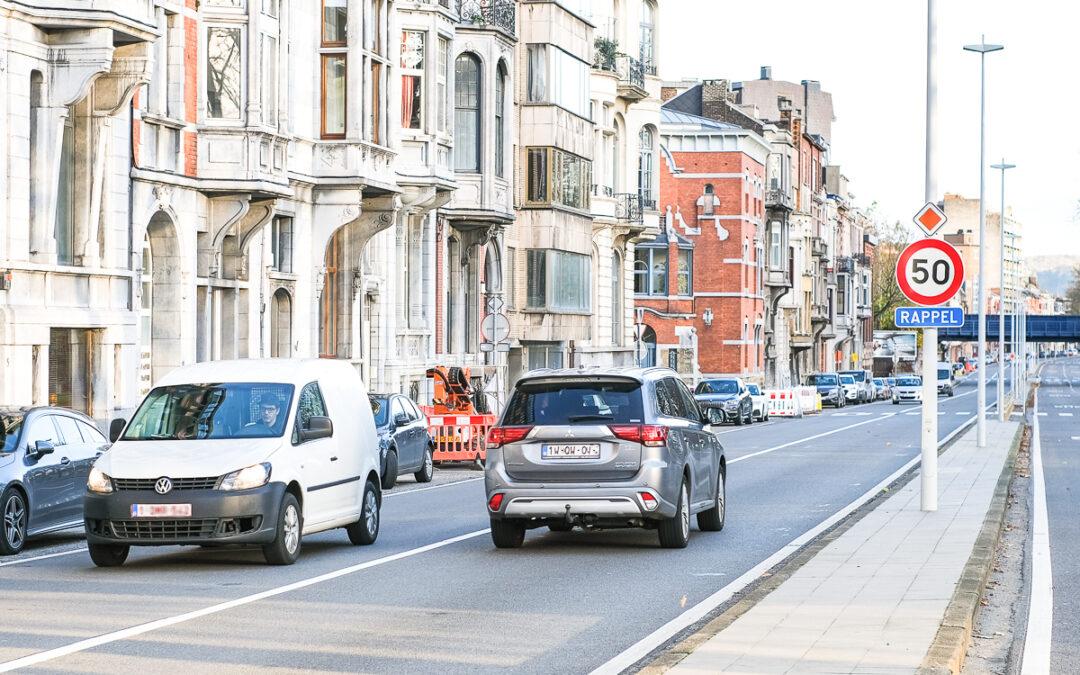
(217, 517)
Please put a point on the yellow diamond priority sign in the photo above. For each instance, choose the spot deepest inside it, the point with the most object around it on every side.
(930, 218)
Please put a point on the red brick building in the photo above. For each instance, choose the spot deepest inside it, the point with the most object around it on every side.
(698, 286)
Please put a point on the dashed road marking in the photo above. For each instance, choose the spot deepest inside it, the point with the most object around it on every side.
(1065, 414)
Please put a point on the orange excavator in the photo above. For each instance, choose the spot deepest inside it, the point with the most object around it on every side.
(458, 419)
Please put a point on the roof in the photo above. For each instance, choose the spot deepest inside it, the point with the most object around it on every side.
(670, 116)
(295, 371)
(687, 102)
(638, 373)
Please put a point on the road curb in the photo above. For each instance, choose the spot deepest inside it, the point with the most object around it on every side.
(667, 657)
(947, 651)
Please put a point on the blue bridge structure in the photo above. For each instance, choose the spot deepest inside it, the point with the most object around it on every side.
(1040, 328)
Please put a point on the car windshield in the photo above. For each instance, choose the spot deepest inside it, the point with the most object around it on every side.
(212, 411)
(10, 424)
(717, 387)
(908, 382)
(575, 402)
(754, 389)
(821, 380)
(856, 375)
(879, 382)
(380, 407)
(847, 379)
(943, 373)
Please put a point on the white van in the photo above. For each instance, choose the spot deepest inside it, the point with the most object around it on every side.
(239, 452)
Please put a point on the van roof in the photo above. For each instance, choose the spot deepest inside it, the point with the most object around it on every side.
(287, 371)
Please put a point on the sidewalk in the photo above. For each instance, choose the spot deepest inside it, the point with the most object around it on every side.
(871, 601)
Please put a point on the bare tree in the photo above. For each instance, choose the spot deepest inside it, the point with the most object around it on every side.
(887, 296)
(1072, 296)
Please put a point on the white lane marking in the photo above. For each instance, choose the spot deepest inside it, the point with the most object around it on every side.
(661, 635)
(107, 638)
(962, 413)
(865, 414)
(42, 557)
(433, 487)
(810, 438)
(1041, 414)
(1065, 414)
(1076, 438)
(1041, 609)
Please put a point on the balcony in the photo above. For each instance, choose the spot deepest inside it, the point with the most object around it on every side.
(499, 14)
(778, 279)
(628, 207)
(818, 248)
(819, 313)
(845, 265)
(776, 198)
(865, 312)
(631, 78)
(861, 259)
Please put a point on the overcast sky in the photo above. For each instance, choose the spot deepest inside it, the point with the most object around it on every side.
(871, 56)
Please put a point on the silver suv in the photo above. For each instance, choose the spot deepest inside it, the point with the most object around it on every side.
(603, 448)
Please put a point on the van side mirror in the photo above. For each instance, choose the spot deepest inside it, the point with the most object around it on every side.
(116, 427)
(42, 448)
(316, 428)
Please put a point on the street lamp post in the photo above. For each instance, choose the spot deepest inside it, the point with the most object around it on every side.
(982, 49)
(928, 437)
(1001, 293)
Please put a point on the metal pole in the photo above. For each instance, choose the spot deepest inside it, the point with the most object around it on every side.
(1001, 309)
(928, 442)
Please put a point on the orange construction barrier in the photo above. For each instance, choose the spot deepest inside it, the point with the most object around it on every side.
(458, 438)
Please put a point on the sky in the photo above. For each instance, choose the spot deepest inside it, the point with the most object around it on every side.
(871, 55)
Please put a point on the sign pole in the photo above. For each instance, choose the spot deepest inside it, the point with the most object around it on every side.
(929, 473)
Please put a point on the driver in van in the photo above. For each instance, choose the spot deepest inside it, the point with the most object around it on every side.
(269, 411)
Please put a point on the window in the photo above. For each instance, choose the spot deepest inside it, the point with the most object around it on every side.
(223, 54)
(558, 281)
(511, 278)
(669, 401)
(557, 177)
(693, 413)
(467, 113)
(685, 279)
(841, 294)
(776, 259)
(500, 131)
(281, 244)
(412, 79)
(648, 36)
(270, 7)
(707, 201)
(397, 409)
(645, 169)
(69, 429)
(334, 23)
(64, 227)
(442, 75)
(333, 95)
(43, 429)
(550, 403)
(616, 299)
(310, 404)
(91, 434)
(544, 355)
(650, 271)
(554, 76)
(269, 80)
(373, 132)
(224, 410)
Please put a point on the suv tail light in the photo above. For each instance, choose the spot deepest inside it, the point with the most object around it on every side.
(496, 501)
(646, 434)
(500, 436)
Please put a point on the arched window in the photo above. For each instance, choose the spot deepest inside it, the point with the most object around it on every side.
(647, 353)
(616, 299)
(281, 325)
(617, 155)
(500, 127)
(645, 169)
(467, 113)
(648, 36)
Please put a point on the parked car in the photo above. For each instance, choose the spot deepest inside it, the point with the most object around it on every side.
(864, 384)
(729, 396)
(606, 448)
(404, 443)
(908, 388)
(852, 390)
(45, 458)
(945, 379)
(239, 452)
(881, 389)
(828, 385)
(760, 403)
(891, 381)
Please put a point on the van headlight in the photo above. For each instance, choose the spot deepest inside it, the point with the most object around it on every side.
(253, 476)
(99, 482)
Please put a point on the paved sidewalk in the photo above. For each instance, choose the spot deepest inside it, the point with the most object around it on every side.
(871, 601)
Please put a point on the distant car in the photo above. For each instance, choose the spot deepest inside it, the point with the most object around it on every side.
(908, 389)
(45, 458)
(761, 403)
(852, 390)
(604, 448)
(891, 381)
(864, 384)
(881, 389)
(828, 386)
(729, 396)
(404, 443)
(945, 379)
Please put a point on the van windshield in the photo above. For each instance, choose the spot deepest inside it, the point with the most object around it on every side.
(943, 373)
(561, 402)
(212, 411)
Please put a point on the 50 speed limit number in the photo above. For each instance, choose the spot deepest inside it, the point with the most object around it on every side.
(930, 272)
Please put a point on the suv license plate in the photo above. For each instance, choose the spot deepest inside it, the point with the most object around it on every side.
(571, 451)
(161, 510)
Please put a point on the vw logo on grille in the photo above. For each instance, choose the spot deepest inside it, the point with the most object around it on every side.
(162, 485)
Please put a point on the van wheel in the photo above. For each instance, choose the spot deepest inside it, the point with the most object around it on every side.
(14, 512)
(285, 548)
(108, 555)
(389, 478)
(674, 532)
(712, 519)
(365, 531)
(507, 533)
(427, 469)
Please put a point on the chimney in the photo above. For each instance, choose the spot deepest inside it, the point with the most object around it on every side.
(766, 72)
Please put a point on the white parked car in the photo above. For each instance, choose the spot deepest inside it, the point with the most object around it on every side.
(908, 389)
(258, 452)
(853, 391)
(760, 403)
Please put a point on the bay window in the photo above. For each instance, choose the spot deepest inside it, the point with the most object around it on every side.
(442, 76)
(333, 68)
(500, 131)
(334, 23)
(223, 54)
(650, 270)
(557, 177)
(685, 279)
(270, 79)
(558, 281)
(554, 76)
(412, 79)
(467, 113)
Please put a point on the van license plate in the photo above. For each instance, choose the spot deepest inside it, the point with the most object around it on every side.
(571, 451)
(161, 510)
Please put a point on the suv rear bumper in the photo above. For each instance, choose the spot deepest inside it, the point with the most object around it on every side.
(602, 503)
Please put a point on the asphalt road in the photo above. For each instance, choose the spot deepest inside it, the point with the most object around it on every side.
(433, 594)
(1059, 430)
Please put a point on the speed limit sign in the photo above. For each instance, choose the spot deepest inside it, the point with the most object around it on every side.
(930, 272)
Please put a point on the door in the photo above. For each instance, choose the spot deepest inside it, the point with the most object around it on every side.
(681, 434)
(46, 484)
(704, 452)
(318, 460)
(76, 456)
(420, 430)
(407, 434)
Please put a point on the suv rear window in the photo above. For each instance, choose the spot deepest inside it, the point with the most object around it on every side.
(562, 402)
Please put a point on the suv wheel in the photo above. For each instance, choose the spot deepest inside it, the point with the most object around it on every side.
(674, 532)
(366, 530)
(285, 548)
(507, 533)
(712, 519)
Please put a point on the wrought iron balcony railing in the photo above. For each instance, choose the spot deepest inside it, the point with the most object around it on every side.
(862, 259)
(500, 14)
(628, 207)
(602, 190)
(775, 197)
(631, 71)
(845, 265)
